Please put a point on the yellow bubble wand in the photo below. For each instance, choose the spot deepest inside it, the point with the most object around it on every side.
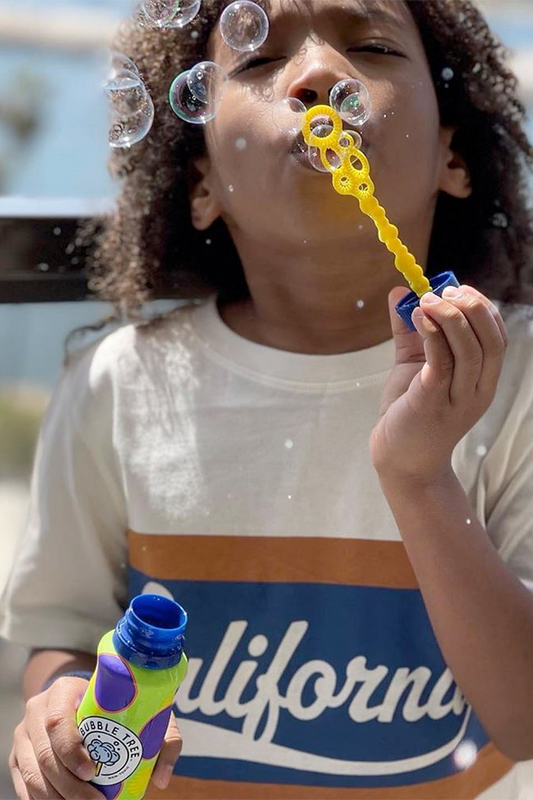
(349, 179)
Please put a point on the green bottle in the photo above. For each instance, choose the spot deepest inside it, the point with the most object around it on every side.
(124, 714)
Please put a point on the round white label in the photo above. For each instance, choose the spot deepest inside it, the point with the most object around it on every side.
(115, 749)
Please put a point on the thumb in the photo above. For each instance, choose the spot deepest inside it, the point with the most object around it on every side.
(409, 344)
(169, 754)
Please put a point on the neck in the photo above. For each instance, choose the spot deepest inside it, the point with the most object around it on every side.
(316, 301)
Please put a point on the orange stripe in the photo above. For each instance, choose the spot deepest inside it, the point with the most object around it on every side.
(361, 562)
(490, 766)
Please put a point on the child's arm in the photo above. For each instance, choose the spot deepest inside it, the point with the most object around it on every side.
(481, 613)
(46, 664)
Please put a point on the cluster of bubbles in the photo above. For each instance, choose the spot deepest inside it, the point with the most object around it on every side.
(349, 98)
(130, 105)
(195, 95)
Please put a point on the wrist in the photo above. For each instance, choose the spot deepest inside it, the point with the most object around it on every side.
(415, 484)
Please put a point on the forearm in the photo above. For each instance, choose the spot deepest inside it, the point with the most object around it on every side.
(481, 614)
(45, 664)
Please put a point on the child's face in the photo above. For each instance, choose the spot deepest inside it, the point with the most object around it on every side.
(264, 192)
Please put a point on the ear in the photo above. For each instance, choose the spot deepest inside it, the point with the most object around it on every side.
(454, 173)
(203, 198)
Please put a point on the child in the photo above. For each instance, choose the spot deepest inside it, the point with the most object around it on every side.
(342, 505)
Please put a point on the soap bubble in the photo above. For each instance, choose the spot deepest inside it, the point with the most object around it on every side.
(244, 25)
(447, 74)
(499, 220)
(131, 110)
(206, 81)
(321, 130)
(120, 64)
(187, 105)
(288, 115)
(168, 13)
(159, 12)
(186, 11)
(351, 100)
(356, 138)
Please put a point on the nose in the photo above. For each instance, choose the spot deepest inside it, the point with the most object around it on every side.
(314, 82)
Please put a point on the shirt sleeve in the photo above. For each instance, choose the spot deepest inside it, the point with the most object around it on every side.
(67, 586)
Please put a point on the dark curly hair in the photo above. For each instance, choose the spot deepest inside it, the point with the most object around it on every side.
(148, 247)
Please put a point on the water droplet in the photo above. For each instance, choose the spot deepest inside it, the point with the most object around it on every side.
(240, 144)
(289, 444)
(360, 303)
(350, 98)
(244, 26)
(447, 74)
(57, 231)
(481, 450)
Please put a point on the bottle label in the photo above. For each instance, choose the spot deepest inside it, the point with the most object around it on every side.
(115, 749)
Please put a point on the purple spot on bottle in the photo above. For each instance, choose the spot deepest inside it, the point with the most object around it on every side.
(110, 792)
(153, 733)
(115, 685)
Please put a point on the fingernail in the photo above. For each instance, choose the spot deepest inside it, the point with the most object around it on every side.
(451, 291)
(163, 779)
(430, 298)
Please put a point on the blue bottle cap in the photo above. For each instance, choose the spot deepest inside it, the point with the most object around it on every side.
(150, 634)
(407, 304)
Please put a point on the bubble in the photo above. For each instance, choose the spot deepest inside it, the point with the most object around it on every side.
(244, 26)
(240, 144)
(499, 220)
(187, 105)
(481, 450)
(186, 11)
(468, 521)
(360, 303)
(351, 100)
(321, 129)
(289, 444)
(288, 115)
(42, 267)
(465, 754)
(131, 110)
(159, 12)
(356, 137)
(447, 74)
(57, 231)
(208, 241)
(289, 496)
(206, 81)
(231, 188)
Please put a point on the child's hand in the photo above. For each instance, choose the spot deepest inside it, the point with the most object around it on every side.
(48, 759)
(444, 380)
(168, 756)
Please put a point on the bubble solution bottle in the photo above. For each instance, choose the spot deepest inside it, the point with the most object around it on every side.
(124, 714)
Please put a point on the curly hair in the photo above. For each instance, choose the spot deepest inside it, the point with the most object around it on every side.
(148, 247)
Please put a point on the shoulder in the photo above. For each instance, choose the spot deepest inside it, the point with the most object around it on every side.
(517, 372)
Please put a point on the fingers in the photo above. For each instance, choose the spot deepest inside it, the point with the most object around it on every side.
(28, 778)
(168, 756)
(62, 730)
(473, 334)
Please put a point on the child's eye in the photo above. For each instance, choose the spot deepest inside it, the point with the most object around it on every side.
(376, 48)
(257, 62)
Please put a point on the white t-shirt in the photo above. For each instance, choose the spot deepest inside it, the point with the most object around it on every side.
(184, 459)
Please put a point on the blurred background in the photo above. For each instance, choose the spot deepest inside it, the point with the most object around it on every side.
(53, 152)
